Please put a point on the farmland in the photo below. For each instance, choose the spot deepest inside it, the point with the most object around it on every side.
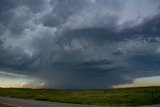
(121, 96)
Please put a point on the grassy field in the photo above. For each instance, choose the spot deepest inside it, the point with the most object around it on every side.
(124, 96)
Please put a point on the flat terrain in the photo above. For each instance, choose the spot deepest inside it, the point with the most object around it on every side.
(14, 102)
(102, 97)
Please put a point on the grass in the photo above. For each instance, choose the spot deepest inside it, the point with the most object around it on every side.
(121, 96)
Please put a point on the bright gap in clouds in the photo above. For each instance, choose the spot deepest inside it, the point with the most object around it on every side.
(14, 80)
(141, 82)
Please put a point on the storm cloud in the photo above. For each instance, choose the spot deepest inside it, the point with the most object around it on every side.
(75, 44)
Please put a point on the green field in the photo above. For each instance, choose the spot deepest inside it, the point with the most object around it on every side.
(123, 96)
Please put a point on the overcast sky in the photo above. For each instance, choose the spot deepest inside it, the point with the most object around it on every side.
(77, 44)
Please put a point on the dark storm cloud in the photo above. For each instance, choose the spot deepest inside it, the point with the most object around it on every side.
(80, 43)
(82, 75)
(12, 57)
(40, 5)
(14, 14)
(149, 28)
(62, 10)
(7, 4)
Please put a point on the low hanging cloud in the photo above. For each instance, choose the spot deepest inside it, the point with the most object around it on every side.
(80, 43)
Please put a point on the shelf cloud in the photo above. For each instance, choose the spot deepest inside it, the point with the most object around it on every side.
(80, 44)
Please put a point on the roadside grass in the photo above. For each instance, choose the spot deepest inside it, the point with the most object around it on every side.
(121, 96)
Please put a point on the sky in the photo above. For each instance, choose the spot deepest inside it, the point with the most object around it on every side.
(79, 44)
